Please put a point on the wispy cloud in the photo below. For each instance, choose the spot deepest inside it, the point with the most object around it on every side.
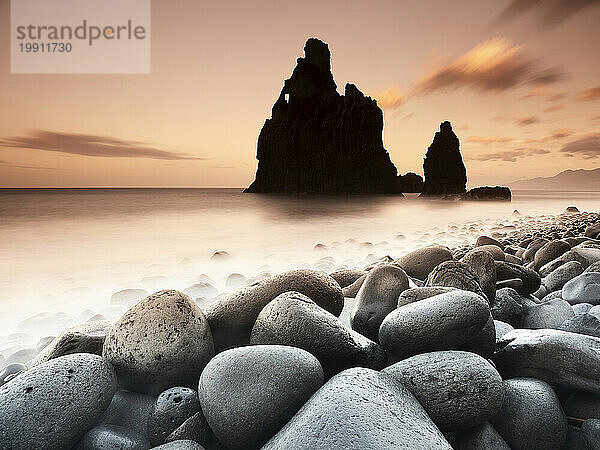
(589, 94)
(90, 145)
(24, 166)
(489, 139)
(547, 12)
(527, 120)
(587, 147)
(390, 98)
(555, 107)
(495, 65)
(507, 155)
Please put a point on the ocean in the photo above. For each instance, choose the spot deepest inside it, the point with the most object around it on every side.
(64, 252)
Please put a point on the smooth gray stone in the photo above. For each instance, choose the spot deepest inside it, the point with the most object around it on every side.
(44, 342)
(420, 293)
(532, 249)
(583, 405)
(419, 263)
(52, 405)
(561, 358)
(595, 267)
(513, 259)
(584, 288)
(531, 417)
(575, 440)
(10, 372)
(556, 279)
(248, 393)
(455, 274)
(183, 444)
(541, 292)
(513, 283)
(457, 389)
(502, 328)
(294, 319)
(129, 410)
(360, 409)
(113, 436)
(377, 297)
(507, 271)
(495, 252)
(171, 408)
(549, 252)
(590, 255)
(591, 433)
(127, 296)
(486, 240)
(163, 341)
(232, 317)
(235, 281)
(87, 337)
(571, 255)
(443, 322)
(195, 428)
(582, 324)
(551, 314)
(21, 356)
(592, 230)
(483, 437)
(552, 296)
(346, 277)
(595, 311)
(508, 306)
(581, 308)
(482, 264)
(351, 290)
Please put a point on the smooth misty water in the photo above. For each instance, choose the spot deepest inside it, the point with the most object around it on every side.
(69, 250)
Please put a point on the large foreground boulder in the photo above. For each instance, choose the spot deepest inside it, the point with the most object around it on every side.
(249, 393)
(52, 405)
(162, 341)
(232, 318)
(360, 409)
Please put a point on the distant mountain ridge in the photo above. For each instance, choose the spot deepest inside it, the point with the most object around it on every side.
(576, 180)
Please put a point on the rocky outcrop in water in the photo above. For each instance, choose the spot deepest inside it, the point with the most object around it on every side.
(488, 193)
(444, 170)
(318, 141)
(411, 182)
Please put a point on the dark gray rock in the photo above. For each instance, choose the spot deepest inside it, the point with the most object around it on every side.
(549, 252)
(87, 337)
(162, 341)
(556, 279)
(130, 410)
(455, 274)
(183, 444)
(351, 290)
(486, 240)
(495, 252)
(294, 319)
(482, 264)
(532, 249)
(419, 263)
(377, 297)
(360, 409)
(508, 306)
(547, 315)
(347, 276)
(584, 288)
(171, 408)
(447, 321)
(420, 293)
(457, 389)
(127, 296)
(483, 437)
(513, 283)
(575, 439)
(583, 405)
(531, 416)
(558, 357)
(582, 324)
(591, 433)
(195, 428)
(52, 405)
(232, 317)
(593, 231)
(552, 296)
(249, 393)
(113, 437)
(595, 267)
(507, 271)
(489, 193)
(502, 328)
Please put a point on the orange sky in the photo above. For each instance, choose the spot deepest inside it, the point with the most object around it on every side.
(520, 85)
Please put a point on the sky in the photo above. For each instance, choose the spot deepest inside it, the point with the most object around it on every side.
(518, 79)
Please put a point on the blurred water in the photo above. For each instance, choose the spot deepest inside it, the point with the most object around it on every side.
(69, 250)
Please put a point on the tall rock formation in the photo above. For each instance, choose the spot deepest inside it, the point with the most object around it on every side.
(443, 167)
(318, 141)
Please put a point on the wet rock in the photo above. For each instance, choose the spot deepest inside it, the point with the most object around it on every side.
(556, 279)
(447, 321)
(584, 288)
(531, 416)
(195, 428)
(547, 315)
(295, 320)
(162, 341)
(582, 324)
(129, 410)
(482, 264)
(419, 263)
(341, 149)
(583, 405)
(483, 437)
(359, 409)
(347, 276)
(455, 274)
(457, 389)
(513, 283)
(52, 405)
(591, 433)
(377, 297)
(558, 357)
(249, 393)
(113, 436)
(419, 293)
(171, 409)
(508, 306)
(87, 337)
(549, 252)
(507, 271)
(127, 296)
(444, 170)
(232, 317)
(502, 328)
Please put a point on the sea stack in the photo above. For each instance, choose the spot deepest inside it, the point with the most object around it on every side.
(445, 172)
(318, 141)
